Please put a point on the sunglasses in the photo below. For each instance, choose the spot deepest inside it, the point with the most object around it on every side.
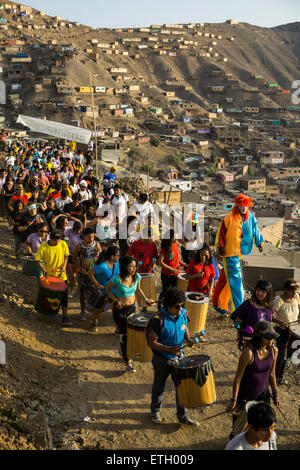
(177, 307)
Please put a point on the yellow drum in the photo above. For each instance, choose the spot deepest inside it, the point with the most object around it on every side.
(194, 381)
(197, 307)
(182, 283)
(148, 287)
(137, 347)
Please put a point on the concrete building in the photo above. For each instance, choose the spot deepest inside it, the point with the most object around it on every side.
(253, 183)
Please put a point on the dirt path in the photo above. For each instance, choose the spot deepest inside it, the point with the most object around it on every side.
(56, 377)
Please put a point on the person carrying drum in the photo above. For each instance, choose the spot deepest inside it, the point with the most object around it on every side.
(52, 258)
(100, 276)
(201, 272)
(125, 287)
(286, 311)
(169, 261)
(256, 371)
(260, 434)
(145, 252)
(167, 344)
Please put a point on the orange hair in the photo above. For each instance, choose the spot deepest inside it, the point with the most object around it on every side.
(241, 200)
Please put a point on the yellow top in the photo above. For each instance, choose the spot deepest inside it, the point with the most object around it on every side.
(54, 258)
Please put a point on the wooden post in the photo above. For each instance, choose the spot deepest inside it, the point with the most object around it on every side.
(95, 128)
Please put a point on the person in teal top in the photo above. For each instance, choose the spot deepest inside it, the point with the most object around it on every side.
(100, 276)
(125, 285)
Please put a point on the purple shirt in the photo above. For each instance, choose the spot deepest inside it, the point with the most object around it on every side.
(74, 238)
(35, 241)
(256, 377)
(250, 315)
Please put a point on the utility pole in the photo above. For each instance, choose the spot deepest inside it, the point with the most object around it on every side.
(95, 127)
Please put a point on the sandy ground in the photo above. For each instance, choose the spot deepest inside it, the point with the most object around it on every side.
(56, 377)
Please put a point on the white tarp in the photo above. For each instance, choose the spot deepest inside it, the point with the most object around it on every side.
(56, 129)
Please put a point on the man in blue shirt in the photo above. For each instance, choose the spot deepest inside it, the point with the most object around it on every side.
(166, 335)
(109, 180)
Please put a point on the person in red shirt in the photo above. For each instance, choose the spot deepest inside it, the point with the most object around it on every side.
(201, 272)
(19, 195)
(145, 252)
(169, 261)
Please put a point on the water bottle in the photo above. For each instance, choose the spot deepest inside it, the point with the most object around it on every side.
(196, 340)
(203, 333)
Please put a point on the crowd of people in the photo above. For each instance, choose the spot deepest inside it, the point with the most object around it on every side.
(58, 214)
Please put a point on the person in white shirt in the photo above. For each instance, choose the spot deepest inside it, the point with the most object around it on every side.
(2, 177)
(85, 193)
(120, 202)
(286, 311)
(10, 160)
(260, 434)
(143, 207)
(191, 238)
(63, 200)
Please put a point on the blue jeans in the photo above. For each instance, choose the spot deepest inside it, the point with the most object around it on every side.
(161, 372)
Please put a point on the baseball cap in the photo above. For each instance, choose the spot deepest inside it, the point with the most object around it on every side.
(265, 329)
(83, 183)
(31, 207)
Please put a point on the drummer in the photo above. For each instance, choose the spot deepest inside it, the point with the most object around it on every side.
(100, 276)
(145, 252)
(201, 272)
(168, 330)
(286, 310)
(52, 258)
(169, 261)
(125, 286)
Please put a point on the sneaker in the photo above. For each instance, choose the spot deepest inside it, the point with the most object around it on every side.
(66, 321)
(130, 368)
(189, 422)
(82, 316)
(95, 327)
(117, 331)
(156, 418)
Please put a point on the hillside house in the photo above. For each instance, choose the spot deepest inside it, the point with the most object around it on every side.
(253, 183)
(225, 176)
(225, 133)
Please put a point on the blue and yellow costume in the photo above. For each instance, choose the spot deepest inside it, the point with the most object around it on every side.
(235, 236)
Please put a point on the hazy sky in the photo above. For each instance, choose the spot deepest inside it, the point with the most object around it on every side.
(118, 13)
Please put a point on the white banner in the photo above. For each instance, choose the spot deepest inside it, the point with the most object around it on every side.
(56, 129)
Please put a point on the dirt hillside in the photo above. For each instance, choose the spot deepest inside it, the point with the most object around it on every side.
(56, 377)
